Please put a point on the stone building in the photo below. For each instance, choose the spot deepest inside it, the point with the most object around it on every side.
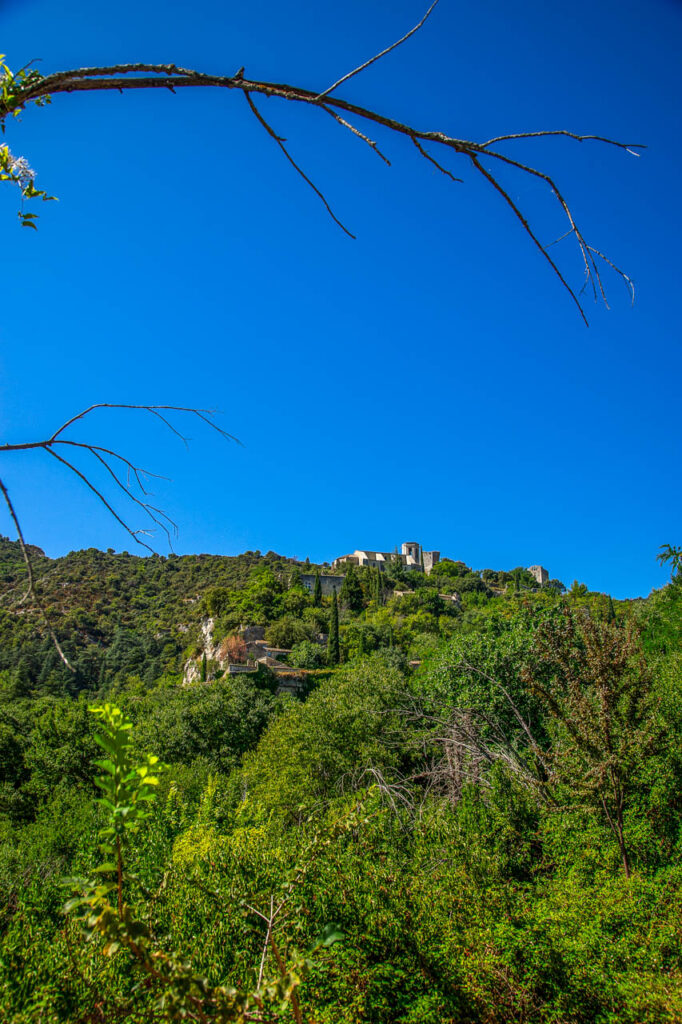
(411, 556)
(539, 573)
(328, 584)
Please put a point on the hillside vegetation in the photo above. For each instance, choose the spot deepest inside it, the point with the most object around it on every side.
(470, 812)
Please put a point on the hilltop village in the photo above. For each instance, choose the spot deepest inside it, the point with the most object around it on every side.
(410, 558)
(200, 617)
(253, 647)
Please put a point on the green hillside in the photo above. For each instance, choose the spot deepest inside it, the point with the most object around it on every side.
(119, 615)
(469, 811)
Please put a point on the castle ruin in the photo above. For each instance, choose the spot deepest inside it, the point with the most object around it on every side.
(539, 573)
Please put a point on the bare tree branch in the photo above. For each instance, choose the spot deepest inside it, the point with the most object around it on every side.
(106, 456)
(356, 131)
(280, 142)
(203, 414)
(378, 56)
(527, 228)
(31, 579)
(427, 156)
(630, 147)
(169, 76)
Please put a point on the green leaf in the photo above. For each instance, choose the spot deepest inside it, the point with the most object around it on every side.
(106, 742)
(75, 901)
(332, 933)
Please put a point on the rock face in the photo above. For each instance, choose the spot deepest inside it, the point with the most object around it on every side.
(256, 649)
(191, 672)
(207, 637)
(209, 650)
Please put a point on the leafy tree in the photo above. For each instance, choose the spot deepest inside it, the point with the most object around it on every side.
(346, 725)
(287, 631)
(109, 909)
(295, 577)
(447, 569)
(592, 679)
(333, 648)
(306, 654)
(351, 595)
(669, 554)
(213, 723)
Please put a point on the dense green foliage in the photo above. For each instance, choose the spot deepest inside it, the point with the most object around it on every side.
(484, 797)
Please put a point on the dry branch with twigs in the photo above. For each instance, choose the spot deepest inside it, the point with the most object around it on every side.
(128, 478)
(481, 157)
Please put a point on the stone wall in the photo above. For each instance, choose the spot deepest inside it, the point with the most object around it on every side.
(431, 558)
(540, 573)
(328, 584)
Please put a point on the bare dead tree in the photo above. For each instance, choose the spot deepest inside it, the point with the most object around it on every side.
(469, 742)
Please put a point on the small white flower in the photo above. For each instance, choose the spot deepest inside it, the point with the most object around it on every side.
(21, 169)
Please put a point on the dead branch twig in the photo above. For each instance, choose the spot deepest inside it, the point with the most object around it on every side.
(168, 76)
(31, 579)
(108, 457)
(280, 142)
(377, 56)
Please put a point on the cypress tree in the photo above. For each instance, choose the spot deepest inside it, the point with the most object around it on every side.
(333, 642)
(611, 611)
(351, 591)
(317, 591)
(203, 668)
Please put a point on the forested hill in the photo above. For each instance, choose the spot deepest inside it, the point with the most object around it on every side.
(120, 615)
(476, 793)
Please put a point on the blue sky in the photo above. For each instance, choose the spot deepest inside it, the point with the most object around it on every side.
(428, 381)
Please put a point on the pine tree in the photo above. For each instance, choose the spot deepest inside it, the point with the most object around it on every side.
(333, 642)
(317, 591)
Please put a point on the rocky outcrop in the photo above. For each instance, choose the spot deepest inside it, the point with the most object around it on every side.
(209, 650)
